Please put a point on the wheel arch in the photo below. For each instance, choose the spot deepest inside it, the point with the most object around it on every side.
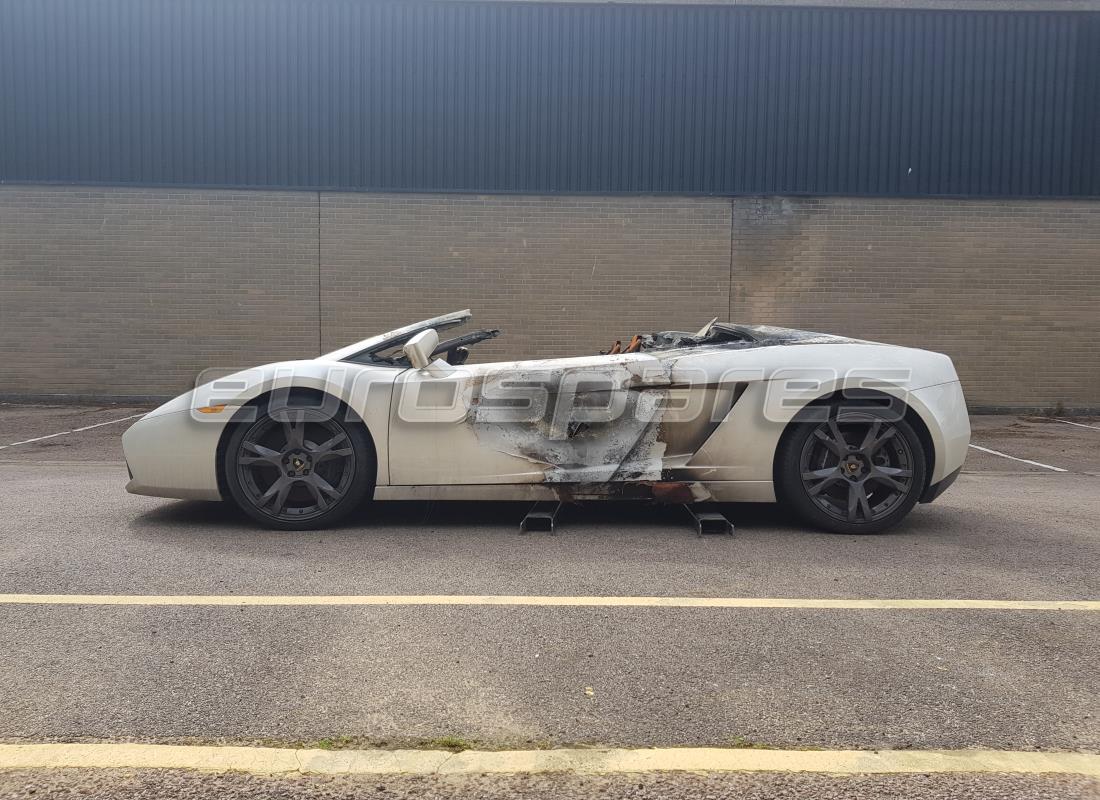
(243, 416)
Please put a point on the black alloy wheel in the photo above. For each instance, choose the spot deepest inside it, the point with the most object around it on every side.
(859, 471)
(299, 468)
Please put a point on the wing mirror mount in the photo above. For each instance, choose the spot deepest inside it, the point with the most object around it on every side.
(419, 348)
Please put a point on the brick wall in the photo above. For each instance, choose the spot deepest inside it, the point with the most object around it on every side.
(1010, 290)
(122, 292)
(562, 275)
(134, 291)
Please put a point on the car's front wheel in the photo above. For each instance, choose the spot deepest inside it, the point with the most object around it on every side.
(860, 470)
(299, 466)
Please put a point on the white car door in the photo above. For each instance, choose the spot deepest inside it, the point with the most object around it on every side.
(591, 419)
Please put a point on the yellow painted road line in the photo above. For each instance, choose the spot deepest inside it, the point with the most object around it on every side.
(261, 760)
(541, 600)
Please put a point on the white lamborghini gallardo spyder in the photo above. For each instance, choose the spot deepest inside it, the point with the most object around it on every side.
(848, 434)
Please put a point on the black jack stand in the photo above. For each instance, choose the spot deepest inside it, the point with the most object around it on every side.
(709, 521)
(541, 517)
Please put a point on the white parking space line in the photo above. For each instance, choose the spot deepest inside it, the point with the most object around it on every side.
(109, 422)
(277, 760)
(74, 430)
(36, 439)
(544, 600)
(1022, 460)
(1078, 424)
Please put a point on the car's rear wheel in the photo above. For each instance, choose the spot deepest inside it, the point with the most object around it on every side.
(299, 466)
(861, 470)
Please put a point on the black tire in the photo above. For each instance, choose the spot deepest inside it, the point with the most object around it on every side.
(301, 465)
(865, 482)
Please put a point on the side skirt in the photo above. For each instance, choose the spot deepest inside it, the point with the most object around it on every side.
(713, 491)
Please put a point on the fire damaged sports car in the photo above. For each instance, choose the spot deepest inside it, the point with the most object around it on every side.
(848, 434)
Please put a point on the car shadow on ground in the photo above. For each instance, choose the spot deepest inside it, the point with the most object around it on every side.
(501, 517)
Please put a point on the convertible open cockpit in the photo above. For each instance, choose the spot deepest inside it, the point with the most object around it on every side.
(848, 434)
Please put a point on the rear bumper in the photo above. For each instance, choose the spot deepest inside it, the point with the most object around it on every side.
(943, 409)
(936, 489)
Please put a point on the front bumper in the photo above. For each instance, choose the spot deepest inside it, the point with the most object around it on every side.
(172, 454)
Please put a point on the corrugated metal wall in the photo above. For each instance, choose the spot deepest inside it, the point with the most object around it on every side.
(524, 97)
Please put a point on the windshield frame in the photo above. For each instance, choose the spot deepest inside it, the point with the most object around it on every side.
(362, 350)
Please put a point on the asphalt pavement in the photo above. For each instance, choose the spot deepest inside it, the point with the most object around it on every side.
(546, 676)
(138, 785)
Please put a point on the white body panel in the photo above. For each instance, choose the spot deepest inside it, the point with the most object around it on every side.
(433, 442)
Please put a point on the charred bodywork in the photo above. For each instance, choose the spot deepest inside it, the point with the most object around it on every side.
(673, 416)
(723, 334)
